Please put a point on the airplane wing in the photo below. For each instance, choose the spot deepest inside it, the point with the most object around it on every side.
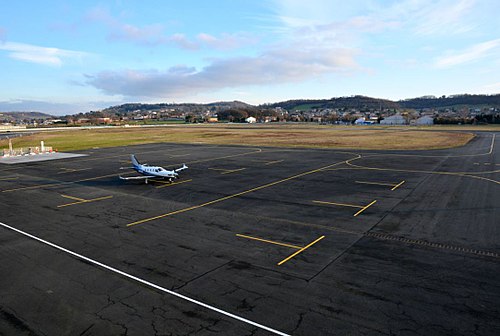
(142, 177)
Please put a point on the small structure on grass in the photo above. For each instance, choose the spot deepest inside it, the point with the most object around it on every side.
(42, 149)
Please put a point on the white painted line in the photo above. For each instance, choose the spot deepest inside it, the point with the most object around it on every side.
(147, 283)
(492, 143)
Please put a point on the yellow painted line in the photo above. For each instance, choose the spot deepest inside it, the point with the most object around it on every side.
(9, 178)
(68, 204)
(339, 204)
(459, 174)
(364, 208)
(117, 174)
(482, 178)
(232, 171)
(61, 183)
(224, 157)
(269, 241)
(227, 171)
(398, 185)
(160, 181)
(85, 201)
(254, 151)
(179, 155)
(395, 186)
(272, 162)
(376, 183)
(73, 198)
(467, 173)
(218, 169)
(35, 186)
(72, 170)
(300, 251)
(235, 195)
(171, 184)
(97, 177)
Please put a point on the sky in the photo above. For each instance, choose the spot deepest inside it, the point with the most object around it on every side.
(65, 57)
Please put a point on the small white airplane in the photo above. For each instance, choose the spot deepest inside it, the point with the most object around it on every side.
(151, 172)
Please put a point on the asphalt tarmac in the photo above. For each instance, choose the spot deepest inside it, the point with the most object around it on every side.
(254, 241)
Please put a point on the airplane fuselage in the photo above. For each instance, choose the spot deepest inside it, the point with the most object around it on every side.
(156, 171)
(152, 172)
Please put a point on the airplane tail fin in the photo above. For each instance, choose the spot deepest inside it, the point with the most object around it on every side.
(181, 168)
(135, 162)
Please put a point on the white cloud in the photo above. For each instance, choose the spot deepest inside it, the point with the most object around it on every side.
(182, 41)
(154, 34)
(41, 55)
(147, 35)
(442, 17)
(306, 53)
(226, 41)
(471, 54)
(421, 17)
(274, 67)
(311, 39)
(299, 13)
(151, 34)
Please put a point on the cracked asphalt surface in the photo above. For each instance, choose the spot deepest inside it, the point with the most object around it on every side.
(424, 259)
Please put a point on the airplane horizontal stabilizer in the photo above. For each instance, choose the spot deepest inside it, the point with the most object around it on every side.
(181, 168)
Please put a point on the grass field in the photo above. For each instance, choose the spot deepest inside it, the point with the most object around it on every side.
(289, 135)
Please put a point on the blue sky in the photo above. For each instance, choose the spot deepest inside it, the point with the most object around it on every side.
(66, 57)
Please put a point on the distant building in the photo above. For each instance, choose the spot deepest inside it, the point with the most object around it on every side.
(396, 119)
(267, 119)
(104, 120)
(363, 121)
(425, 120)
(250, 120)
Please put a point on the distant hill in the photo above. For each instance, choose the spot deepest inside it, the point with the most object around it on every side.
(357, 102)
(18, 116)
(186, 107)
(238, 109)
(360, 103)
(369, 103)
(451, 101)
(234, 104)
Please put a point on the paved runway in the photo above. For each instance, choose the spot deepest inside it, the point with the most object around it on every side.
(254, 241)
